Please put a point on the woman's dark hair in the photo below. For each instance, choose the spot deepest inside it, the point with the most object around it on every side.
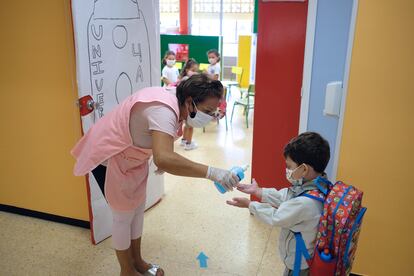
(168, 53)
(309, 148)
(215, 52)
(199, 87)
(189, 63)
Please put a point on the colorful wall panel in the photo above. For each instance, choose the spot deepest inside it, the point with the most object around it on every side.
(243, 58)
(377, 150)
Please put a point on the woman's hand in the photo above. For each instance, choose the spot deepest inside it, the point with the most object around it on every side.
(252, 189)
(225, 177)
(240, 202)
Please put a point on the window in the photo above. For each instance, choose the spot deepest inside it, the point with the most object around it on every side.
(237, 20)
(169, 6)
(229, 6)
(169, 16)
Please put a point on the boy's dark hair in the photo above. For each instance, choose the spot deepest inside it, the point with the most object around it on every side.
(309, 148)
(199, 87)
(214, 51)
(188, 64)
(167, 53)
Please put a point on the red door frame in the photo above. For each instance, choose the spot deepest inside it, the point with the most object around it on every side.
(279, 69)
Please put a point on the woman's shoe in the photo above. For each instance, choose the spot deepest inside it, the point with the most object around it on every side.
(152, 271)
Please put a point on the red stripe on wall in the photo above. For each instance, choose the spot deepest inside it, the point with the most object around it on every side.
(280, 54)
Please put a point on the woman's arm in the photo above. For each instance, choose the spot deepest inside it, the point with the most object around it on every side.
(167, 160)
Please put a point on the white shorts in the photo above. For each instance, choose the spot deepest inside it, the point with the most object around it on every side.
(127, 226)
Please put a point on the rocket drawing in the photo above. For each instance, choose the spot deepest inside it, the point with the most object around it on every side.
(119, 52)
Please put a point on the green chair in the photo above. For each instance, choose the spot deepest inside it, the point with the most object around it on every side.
(237, 72)
(247, 101)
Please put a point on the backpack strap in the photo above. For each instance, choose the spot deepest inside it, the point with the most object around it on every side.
(300, 251)
(319, 180)
(315, 194)
(354, 228)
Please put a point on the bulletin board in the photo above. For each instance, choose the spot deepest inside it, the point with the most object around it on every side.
(197, 45)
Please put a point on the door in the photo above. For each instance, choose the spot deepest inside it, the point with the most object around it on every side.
(117, 53)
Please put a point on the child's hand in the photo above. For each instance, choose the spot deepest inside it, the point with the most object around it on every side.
(252, 189)
(240, 202)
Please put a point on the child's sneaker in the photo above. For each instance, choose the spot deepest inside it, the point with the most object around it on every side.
(191, 146)
(183, 142)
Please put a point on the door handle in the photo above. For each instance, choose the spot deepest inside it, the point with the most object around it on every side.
(87, 105)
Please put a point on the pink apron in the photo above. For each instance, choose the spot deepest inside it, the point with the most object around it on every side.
(110, 139)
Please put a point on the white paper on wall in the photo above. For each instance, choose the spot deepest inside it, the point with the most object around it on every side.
(117, 46)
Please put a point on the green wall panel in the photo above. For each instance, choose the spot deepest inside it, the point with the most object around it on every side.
(198, 45)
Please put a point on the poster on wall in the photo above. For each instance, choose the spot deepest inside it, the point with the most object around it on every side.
(181, 51)
(117, 53)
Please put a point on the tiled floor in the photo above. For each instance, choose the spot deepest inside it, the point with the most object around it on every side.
(192, 217)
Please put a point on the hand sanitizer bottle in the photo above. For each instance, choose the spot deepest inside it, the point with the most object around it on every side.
(239, 171)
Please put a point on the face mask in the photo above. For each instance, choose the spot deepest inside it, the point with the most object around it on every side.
(170, 62)
(200, 119)
(289, 177)
(212, 60)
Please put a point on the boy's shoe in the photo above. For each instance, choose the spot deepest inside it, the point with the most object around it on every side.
(183, 142)
(191, 146)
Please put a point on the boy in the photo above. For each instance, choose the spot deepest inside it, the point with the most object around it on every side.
(306, 157)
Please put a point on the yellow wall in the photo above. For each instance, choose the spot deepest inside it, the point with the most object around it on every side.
(377, 152)
(243, 59)
(39, 120)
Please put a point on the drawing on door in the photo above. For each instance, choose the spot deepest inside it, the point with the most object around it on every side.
(117, 54)
(118, 46)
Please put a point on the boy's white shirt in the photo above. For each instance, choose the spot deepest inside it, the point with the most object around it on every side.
(171, 73)
(299, 214)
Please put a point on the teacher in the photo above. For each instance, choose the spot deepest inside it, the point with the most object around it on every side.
(117, 148)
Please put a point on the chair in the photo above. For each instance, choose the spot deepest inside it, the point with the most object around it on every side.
(247, 102)
(179, 65)
(203, 66)
(224, 117)
(238, 73)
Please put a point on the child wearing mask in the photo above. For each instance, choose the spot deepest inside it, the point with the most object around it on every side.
(190, 68)
(213, 71)
(214, 68)
(306, 157)
(169, 72)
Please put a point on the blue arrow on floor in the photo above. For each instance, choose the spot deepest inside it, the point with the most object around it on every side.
(202, 258)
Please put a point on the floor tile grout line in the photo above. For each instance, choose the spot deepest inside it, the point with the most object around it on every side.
(267, 244)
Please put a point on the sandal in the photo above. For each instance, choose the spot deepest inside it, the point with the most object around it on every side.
(152, 271)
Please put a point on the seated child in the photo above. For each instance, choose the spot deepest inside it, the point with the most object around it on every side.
(306, 157)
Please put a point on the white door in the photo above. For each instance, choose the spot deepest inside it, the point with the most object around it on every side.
(117, 53)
